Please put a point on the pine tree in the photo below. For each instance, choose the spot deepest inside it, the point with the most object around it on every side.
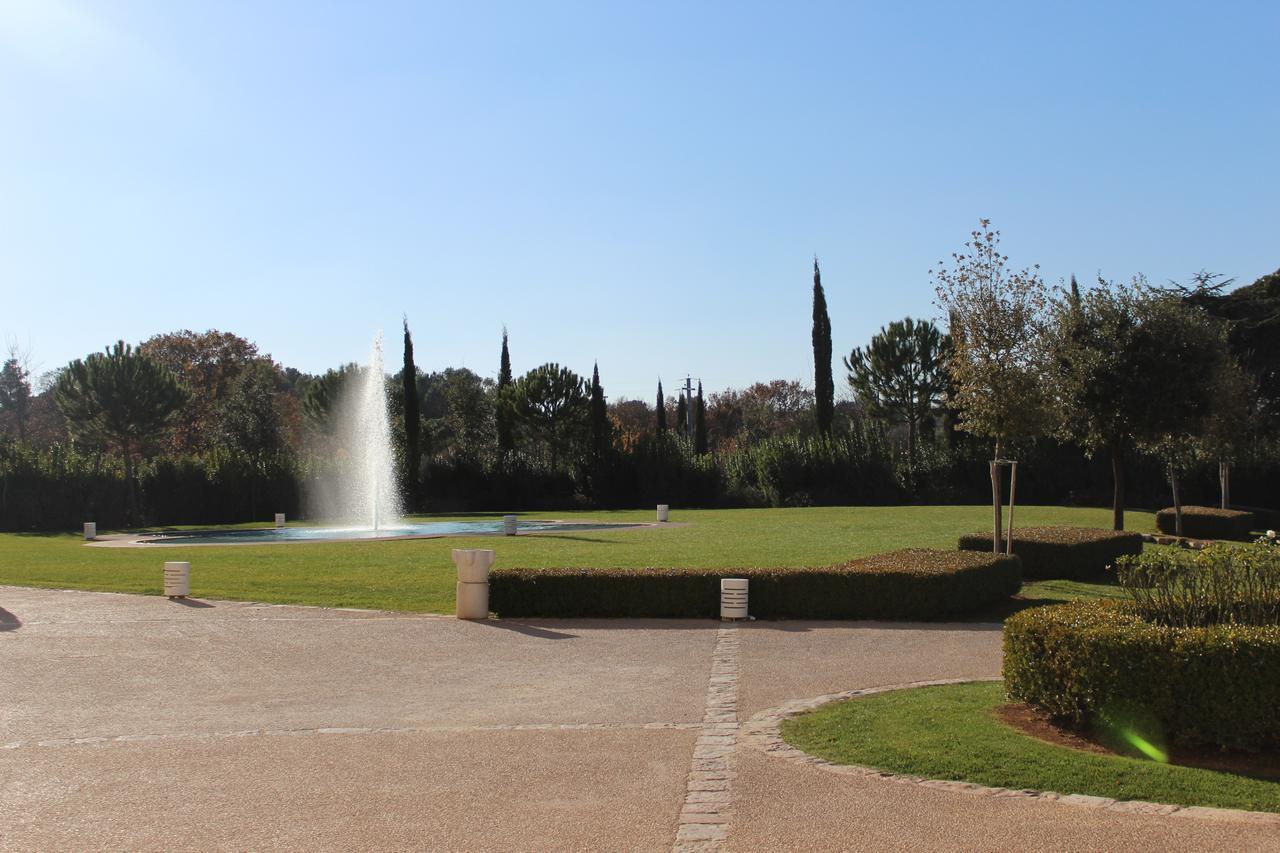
(503, 413)
(682, 415)
(412, 416)
(824, 389)
(661, 409)
(599, 415)
(699, 423)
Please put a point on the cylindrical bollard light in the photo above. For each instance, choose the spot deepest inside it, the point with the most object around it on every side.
(90, 530)
(177, 580)
(473, 581)
(663, 511)
(508, 525)
(733, 599)
(279, 519)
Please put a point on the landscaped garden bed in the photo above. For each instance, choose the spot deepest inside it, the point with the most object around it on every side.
(1207, 522)
(912, 584)
(1193, 658)
(964, 732)
(1061, 551)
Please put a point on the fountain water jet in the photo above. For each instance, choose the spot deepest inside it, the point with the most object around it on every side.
(371, 494)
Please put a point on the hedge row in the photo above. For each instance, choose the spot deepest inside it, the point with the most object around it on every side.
(1086, 660)
(912, 584)
(1062, 552)
(1206, 522)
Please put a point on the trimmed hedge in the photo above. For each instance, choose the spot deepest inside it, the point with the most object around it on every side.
(1062, 552)
(911, 584)
(1206, 522)
(1218, 685)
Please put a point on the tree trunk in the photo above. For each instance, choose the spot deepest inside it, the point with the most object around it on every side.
(1117, 495)
(1177, 501)
(1013, 492)
(996, 500)
(1224, 479)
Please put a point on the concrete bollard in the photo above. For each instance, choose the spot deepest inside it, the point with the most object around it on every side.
(279, 519)
(177, 580)
(663, 512)
(509, 525)
(90, 531)
(473, 581)
(733, 599)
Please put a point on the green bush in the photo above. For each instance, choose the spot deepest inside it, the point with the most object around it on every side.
(1206, 522)
(1062, 552)
(1221, 584)
(912, 584)
(1088, 661)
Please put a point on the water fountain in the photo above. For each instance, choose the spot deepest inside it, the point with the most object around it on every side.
(364, 493)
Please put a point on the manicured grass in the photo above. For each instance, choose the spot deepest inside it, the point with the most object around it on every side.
(417, 575)
(951, 733)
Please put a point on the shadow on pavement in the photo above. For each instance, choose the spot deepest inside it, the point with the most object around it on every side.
(9, 622)
(527, 630)
(191, 602)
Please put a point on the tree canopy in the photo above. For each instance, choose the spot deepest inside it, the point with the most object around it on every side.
(901, 375)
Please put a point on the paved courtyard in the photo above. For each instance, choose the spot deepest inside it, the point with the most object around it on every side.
(133, 722)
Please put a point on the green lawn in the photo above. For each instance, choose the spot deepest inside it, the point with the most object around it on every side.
(950, 733)
(417, 575)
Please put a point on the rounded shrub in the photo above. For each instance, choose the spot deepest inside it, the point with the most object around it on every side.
(1211, 685)
(910, 584)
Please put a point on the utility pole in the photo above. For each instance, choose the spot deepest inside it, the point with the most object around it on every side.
(688, 398)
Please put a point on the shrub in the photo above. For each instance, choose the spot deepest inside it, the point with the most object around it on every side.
(1221, 584)
(913, 584)
(1062, 552)
(1087, 661)
(1206, 522)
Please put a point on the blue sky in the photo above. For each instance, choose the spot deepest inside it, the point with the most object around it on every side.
(640, 183)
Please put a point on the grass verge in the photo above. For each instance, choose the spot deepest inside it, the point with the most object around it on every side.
(951, 732)
(417, 575)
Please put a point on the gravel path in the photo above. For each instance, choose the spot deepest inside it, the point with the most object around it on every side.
(133, 722)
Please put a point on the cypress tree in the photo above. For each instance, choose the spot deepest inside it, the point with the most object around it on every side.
(824, 388)
(412, 416)
(699, 423)
(506, 440)
(599, 415)
(661, 410)
(682, 415)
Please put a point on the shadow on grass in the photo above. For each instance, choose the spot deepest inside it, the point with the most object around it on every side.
(9, 622)
(1003, 610)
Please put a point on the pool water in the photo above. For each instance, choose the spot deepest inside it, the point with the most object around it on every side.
(321, 534)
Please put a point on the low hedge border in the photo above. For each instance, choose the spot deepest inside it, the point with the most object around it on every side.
(1216, 686)
(1207, 522)
(915, 584)
(1063, 552)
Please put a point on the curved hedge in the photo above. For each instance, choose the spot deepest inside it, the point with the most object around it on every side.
(1218, 685)
(1206, 522)
(912, 584)
(1062, 552)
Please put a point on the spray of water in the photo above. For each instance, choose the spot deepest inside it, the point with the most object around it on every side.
(370, 495)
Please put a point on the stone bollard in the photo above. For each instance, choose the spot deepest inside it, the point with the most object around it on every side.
(473, 581)
(733, 599)
(177, 580)
(663, 511)
(508, 525)
(279, 519)
(90, 531)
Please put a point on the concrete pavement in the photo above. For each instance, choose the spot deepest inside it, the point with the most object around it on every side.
(135, 722)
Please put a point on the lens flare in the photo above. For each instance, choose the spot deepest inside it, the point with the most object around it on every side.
(1146, 747)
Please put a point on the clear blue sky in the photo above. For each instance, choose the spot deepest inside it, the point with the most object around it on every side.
(640, 183)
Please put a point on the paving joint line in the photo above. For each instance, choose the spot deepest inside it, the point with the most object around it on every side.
(707, 810)
(346, 730)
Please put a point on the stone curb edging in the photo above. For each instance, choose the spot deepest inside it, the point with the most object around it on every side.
(763, 732)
